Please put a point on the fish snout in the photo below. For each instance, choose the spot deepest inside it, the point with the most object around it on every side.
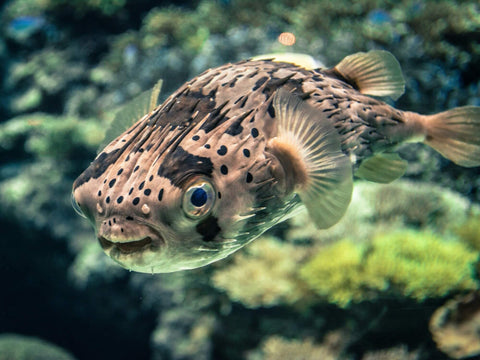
(127, 236)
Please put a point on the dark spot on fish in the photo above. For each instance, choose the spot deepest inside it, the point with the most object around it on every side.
(244, 101)
(130, 192)
(254, 132)
(149, 146)
(215, 118)
(219, 195)
(179, 164)
(224, 169)
(99, 192)
(120, 199)
(107, 200)
(136, 168)
(121, 229)
(249, 177)
(114, 220)
(151, 178)
(112, 182)
(147, 192)
(246, 153)
(141, 185)
(208, 228)
(236, 128)
(207, 146)
(196, 138)
(129, 218)
(127, 158)
(260, 82)
(141, 150)
(254, 73)
(252, 119)
(136, 201)
(271, 110)
(160, 195)
(109, 223)
(120, 172)
(222, 150)
(98, 167)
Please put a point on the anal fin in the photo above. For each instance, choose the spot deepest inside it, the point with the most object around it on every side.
(375, 73)
(309, 146)
(382, 168)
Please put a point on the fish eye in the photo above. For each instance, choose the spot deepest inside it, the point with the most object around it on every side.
(77, 208)
(199, 198)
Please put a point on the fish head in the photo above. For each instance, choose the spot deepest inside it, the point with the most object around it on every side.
(169, 198)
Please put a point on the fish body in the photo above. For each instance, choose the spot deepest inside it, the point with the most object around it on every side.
(240, 147)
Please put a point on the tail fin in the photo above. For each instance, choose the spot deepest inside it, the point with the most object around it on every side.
(455, 134)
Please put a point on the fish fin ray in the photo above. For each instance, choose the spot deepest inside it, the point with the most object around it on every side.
(455, 134)
(305, 61)
(131, 112)
(382, 168)
(310, 147)
(375, 73)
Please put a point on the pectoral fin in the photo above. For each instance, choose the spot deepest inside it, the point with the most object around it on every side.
(375, 73)
(382, 168)
(309, 145)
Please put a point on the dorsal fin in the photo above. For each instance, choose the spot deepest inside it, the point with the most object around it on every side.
(131, 112)
(382, 168)
(308, 144)
(375, 73)
(303, 60)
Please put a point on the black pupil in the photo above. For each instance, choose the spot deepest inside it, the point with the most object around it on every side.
(199, 197)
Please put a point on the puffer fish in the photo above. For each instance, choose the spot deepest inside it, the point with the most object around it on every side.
(241, 147)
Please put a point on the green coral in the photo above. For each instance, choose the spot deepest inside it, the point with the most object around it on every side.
(80, 7)
(469, 231)
(421, 264)
(51, 136)
(49, 70)
(414, 264)
(177, 25)
(264, 274)
(337, 273)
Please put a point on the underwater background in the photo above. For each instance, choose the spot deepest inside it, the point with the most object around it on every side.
(397, 278)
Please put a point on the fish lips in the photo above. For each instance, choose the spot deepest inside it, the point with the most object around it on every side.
(128, 242)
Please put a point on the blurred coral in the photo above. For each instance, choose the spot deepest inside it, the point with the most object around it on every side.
(414, 264)
(276, 347)
(422, 265)
(397, 353)
(337, 273)
(264, 274)
(455, 325)
(469, 231)
(20, 347)
(375, 208)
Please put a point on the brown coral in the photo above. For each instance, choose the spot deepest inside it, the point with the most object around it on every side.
(455, 326)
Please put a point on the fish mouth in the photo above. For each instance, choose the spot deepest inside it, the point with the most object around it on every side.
(131, 246)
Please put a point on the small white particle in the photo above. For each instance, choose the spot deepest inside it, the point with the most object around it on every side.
(99, 208)
(146, 209)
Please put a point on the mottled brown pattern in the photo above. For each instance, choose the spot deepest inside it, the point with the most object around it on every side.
(215, 128)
